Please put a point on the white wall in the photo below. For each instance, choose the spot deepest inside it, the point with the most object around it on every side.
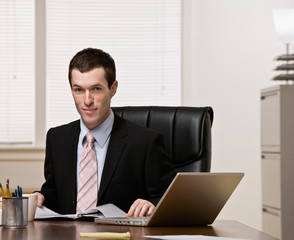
(23, 166)
(229, 48)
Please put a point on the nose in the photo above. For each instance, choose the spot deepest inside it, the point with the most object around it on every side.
(88, 100)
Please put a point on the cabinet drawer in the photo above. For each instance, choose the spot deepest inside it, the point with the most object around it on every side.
(271, 221)
(271, 180)
(270, 121)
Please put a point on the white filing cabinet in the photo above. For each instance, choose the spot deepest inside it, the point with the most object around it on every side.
(277, 146)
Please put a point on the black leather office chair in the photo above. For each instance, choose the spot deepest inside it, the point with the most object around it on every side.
(187, 132)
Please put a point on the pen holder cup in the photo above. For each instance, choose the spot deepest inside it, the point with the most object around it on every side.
(14, 212)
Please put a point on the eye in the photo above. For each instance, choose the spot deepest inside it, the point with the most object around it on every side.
(78, 90)
(96, 90)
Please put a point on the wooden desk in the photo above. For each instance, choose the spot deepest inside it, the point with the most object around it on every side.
(42, 230)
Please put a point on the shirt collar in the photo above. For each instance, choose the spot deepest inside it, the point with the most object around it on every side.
(101, 132)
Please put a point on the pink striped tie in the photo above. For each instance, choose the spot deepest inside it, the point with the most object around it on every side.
(87, 189)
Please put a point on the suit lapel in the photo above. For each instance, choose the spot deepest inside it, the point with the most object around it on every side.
(115, 148)
(71, 155)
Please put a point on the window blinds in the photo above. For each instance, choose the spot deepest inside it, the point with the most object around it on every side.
(17, 75)
(143, 37)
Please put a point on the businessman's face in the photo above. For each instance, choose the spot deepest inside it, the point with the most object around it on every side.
(92, 95)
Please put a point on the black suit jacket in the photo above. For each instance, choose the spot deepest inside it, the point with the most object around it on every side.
(136, 166)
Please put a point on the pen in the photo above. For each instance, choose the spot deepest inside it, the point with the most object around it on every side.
(2, 190)
(18, 191)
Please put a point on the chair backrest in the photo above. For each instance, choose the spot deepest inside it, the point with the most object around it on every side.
(186, 130)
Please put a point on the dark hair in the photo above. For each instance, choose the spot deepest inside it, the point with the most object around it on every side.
(90, 58)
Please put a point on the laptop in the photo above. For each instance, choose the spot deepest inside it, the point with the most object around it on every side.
(191, 199)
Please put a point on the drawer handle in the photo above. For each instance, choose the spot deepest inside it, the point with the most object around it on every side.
(270, 212)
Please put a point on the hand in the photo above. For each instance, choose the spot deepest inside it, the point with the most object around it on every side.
(41, 199)
(140, 208)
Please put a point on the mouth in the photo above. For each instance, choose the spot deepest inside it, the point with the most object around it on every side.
(89, 110)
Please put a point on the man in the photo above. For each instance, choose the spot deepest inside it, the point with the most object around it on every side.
(133, 168)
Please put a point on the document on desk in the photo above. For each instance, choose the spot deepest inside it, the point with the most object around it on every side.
(107, 210)
(191, 237)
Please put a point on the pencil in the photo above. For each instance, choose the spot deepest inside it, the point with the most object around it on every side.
(7, 189)
(106, 235)
(2, 190)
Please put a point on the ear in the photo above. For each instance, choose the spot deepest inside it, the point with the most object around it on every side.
(113, 88)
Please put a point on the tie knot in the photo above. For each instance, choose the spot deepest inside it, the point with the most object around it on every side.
(90, 138)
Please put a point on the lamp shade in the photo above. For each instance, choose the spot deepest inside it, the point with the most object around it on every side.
(284, 24)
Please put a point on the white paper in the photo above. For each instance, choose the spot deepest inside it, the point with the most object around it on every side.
(43, 212)
(107, 210)
(191, 237)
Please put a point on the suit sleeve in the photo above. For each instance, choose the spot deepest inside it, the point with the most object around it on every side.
(158, 171)
(49, 187)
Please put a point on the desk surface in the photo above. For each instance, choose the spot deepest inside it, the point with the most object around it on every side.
(43, 230)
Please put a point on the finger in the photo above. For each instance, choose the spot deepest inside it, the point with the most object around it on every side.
(40, 203)
(138, 210)
(40, 200)
(147, 209)
(133, 208)
(150, 210)
(144, 210)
